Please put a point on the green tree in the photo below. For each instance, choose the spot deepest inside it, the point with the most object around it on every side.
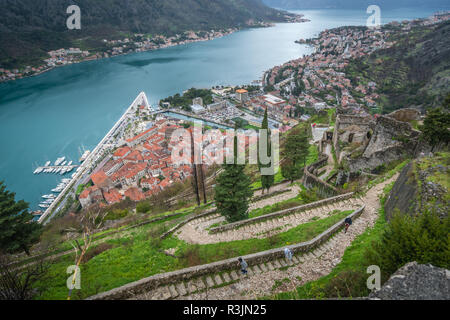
(436, 126)
(233, 191)
(422, 238)
(267, 181)
(17, 230)
(294, 154)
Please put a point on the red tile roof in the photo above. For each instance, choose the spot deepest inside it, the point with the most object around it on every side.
(121, 152)
(140, 135)
(99, 178)
(134, 194)
(134, 156)
(112, 196)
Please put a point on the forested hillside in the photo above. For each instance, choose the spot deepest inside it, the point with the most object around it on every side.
(414, 72)
(352, 4)
(30, 28)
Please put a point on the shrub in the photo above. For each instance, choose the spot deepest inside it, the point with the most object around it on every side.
(422, 238)
(143, 207)
(191, 256)
(96, 251)
(116, 214)
(347, 284)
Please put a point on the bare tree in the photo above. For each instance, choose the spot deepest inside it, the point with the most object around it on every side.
(18, 283)
(89, 222)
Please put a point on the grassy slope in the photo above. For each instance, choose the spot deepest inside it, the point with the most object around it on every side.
(133, 258)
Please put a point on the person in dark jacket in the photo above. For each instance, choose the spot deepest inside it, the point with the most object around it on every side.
(348, 222)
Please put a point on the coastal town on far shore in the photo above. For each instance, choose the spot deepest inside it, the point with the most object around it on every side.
(133, 43)
(137, 163)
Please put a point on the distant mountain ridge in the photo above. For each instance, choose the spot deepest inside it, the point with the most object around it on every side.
(33, 27)
(353, 4)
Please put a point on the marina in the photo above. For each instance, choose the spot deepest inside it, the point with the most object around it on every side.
(102, 148)
(60, 166)
(55, 169)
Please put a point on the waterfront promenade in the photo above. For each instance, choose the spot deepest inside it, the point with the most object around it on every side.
(106, 144)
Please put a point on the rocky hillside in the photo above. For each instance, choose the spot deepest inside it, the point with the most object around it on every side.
(29, 28)
(424, 183)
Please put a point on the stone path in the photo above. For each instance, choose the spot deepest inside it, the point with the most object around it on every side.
(261, 278)
(294, 191)
(196, 231)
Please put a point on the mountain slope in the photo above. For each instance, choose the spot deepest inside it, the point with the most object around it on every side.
(352, 4)
(414, 72)
(30, 28)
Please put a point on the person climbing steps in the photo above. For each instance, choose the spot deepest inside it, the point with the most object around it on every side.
(243, 265)
(348, 222)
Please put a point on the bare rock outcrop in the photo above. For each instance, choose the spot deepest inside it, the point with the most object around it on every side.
(416, 282)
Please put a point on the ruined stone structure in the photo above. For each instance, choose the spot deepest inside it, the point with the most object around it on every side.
(391, 140)
(405, 115)
(364, 143)
(350, 132)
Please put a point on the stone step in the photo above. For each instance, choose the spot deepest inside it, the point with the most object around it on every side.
(191, 287)
(162, 293)
(226, 277)
(234, 275)
(200, 284)
(173, 291)
(209, 282)
(181, 289)
(276, 264)
(283, 262)
(256, 269)
(263, 267)
(218, 280)
(295, 259)
(270, 265)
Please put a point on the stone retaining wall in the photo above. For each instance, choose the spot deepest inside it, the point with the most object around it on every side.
(187, 220)
(212, 211)
(310, 180)
(147, 284)
(281, 213)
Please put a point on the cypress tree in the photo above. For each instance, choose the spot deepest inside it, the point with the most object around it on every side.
(233, 191)
(295, 153)
(266, 180)
(17, 230)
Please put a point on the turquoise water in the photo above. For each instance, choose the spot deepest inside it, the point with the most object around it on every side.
(54, 114)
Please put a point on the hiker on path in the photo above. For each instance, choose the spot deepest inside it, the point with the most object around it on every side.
(243, 265)
(348, 222)
(288, 254)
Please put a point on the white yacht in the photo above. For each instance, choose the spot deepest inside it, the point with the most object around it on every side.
(59, 160)
(85, 155)
(47, 163)
(48, 196)
(44, 205)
